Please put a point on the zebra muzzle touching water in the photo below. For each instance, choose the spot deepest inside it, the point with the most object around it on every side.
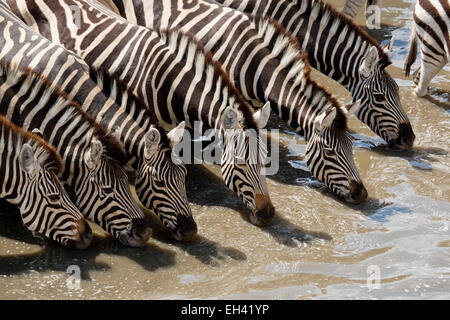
(29, 170)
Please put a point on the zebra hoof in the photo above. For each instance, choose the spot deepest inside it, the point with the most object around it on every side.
(420, 93)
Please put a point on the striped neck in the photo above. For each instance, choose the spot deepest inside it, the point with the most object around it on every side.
(338, 45)
(294, 96)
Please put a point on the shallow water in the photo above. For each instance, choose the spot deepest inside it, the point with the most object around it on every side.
(318, 246)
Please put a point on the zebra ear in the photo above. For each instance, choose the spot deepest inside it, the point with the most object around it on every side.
(230, 119)
(27, 160)
(388, 46)
(325, 119)
(353, 107)
(38, 132)
(262, 116)
(94, 154)
(176, 134)
(151, 142)
(369, 63)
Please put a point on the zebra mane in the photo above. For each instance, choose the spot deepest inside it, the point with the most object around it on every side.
(287, 49)
(109, 81)
(194, 53)
(50, 157)
(326, 9)
(113, 147)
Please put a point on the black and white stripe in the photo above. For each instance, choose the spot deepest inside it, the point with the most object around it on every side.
(430, 31)
(341, 50)
(168, 73)
(93, 157)
(265, 65)
(29, 169)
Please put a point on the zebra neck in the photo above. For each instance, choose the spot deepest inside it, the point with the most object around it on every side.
(10, 189)
(299, 106)
(34, 104)
(334, 44)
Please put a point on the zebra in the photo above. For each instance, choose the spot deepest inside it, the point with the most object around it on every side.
(268, 65)
(336, 47)
(29, 168)
(93, 157)
(160, 180)
(430, 28)
(160, 183)
(154, 73)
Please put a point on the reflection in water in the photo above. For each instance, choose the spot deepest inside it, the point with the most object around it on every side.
(317, 246)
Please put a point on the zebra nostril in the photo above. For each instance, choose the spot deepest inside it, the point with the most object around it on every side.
(140, 231)
(186, 229)
(358, 193)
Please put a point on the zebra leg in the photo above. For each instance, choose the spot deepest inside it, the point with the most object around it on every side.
(428, 71)
(416, 77)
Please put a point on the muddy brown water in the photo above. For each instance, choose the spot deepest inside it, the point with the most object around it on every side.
(317, 247)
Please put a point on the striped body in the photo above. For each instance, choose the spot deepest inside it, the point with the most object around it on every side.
(265, 65)
(431, 32)
(93, 157)
(29, 169)
(168, 73)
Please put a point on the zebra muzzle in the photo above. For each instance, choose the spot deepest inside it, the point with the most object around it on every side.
(186, 228)
(357, 193)
(405, 138)
(84, 236)
(137, 234)
(264, 212)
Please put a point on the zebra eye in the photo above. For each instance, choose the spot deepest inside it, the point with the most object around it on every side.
(241, 165)
(159, 183)
(108, 189)
(379, 97)
(329, 153)
(53, 197)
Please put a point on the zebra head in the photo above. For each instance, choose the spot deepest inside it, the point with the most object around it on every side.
(243, 162)
(108, 200)
(161, 182)
(46, 207)
(329, 154)
(382, 110)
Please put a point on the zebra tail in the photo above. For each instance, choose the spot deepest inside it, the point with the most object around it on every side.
(412, 52)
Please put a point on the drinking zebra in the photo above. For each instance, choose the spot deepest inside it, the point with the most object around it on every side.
(160, 183)
(336, 47)
(266, 65)
(431, 32)
(93, 157)
(29, 168)
(185, 86)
